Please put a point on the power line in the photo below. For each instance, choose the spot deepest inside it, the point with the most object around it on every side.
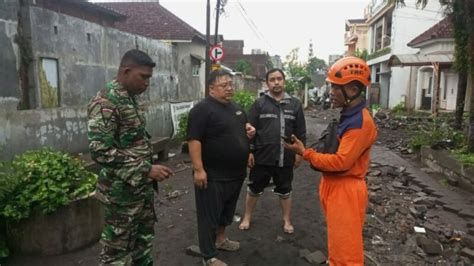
(252, 24)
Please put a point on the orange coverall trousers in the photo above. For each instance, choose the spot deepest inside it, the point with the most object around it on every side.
(344, 201)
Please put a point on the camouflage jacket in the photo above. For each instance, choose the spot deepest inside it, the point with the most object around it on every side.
(118, 140)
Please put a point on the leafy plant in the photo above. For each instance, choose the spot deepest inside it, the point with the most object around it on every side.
(364, 54)
(464, 156)
(437, 134)
(292, 87)
(6, 186)
(244, 98)
(378, 53)
(45, 180)
(399, 108)
(182, 126)
(243, 66)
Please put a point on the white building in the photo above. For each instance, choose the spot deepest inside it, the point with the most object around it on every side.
(432, 70)
(355, 37)
(390, 29)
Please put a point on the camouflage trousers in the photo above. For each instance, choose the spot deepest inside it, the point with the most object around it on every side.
(128, 232)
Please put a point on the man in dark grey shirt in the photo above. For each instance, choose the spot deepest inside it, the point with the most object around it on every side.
(276, 116)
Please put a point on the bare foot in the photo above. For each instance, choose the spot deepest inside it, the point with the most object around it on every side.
(288, 228)
(244, 225)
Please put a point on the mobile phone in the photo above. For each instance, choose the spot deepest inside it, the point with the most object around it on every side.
(287, 139)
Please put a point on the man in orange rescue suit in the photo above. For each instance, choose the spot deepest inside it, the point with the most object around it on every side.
(342, 190)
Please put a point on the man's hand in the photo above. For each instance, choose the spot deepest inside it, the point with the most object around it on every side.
(160, 172)
(297, 146)
(200, 179)
(251, 161)
(298, 161)
(250, 130)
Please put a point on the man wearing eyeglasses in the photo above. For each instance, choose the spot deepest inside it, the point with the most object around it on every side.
(276, 116)
(218, 139)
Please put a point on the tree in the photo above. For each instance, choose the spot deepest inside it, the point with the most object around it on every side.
(315, 64)
(462, 17)
(364, 54)
(292, 65)
(294, 71)
(269, 63)
(243, 66)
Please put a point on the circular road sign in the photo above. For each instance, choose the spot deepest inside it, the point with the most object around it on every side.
(216, 53)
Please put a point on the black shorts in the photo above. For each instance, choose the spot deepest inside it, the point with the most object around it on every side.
(260, 176)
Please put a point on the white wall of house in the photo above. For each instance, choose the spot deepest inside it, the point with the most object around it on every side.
(407, 23)
(438, 46)
(362, 41)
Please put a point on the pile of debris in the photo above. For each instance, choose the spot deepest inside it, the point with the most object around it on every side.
(403, 226)
(395, 132)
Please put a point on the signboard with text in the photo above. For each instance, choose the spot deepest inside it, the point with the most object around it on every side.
(177, 109)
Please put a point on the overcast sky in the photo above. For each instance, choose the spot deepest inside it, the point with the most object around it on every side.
(276, 26)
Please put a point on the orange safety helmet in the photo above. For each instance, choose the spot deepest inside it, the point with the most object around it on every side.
(348, 69)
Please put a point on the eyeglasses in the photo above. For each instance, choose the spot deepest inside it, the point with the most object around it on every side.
(225, 85)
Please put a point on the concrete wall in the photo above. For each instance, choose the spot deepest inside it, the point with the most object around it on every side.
(186, 79)
(249, 83)
(417, 21)
(85, 64)
(9, 56)
(443, 162)
(69, 228)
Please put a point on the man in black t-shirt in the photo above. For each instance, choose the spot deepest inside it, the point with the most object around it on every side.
(218, 135)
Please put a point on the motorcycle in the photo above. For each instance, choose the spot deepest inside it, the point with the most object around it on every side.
(326, 103)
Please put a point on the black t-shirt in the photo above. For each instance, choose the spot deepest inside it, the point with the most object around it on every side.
(224, 144)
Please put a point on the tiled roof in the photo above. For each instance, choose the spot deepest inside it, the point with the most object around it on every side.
(98, 8)
(152, 20)
(442, 29)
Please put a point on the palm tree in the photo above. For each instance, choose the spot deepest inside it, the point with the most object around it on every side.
(462, 18)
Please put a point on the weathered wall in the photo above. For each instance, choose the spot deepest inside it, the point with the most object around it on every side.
(62, 128)
(443, 162)
(186, 79)
(249, 83)
(9, 60)
(85, 64)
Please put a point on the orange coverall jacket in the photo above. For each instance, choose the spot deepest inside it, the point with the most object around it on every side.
(342, 190)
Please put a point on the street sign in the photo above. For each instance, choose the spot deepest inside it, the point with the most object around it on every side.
(216, 53)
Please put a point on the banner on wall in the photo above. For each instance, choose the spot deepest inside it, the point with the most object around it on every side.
(177, 109)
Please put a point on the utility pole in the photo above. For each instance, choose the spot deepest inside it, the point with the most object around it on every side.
(208, 60)
(218, 8)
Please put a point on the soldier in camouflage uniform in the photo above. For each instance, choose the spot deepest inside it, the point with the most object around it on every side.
(119, 142)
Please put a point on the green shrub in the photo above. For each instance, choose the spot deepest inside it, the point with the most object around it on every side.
(6, 186)
(464, 156)
(399, 108)
(436, 132)
(44, 180)
(182, 126)
(244, 98)
(375, 108)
